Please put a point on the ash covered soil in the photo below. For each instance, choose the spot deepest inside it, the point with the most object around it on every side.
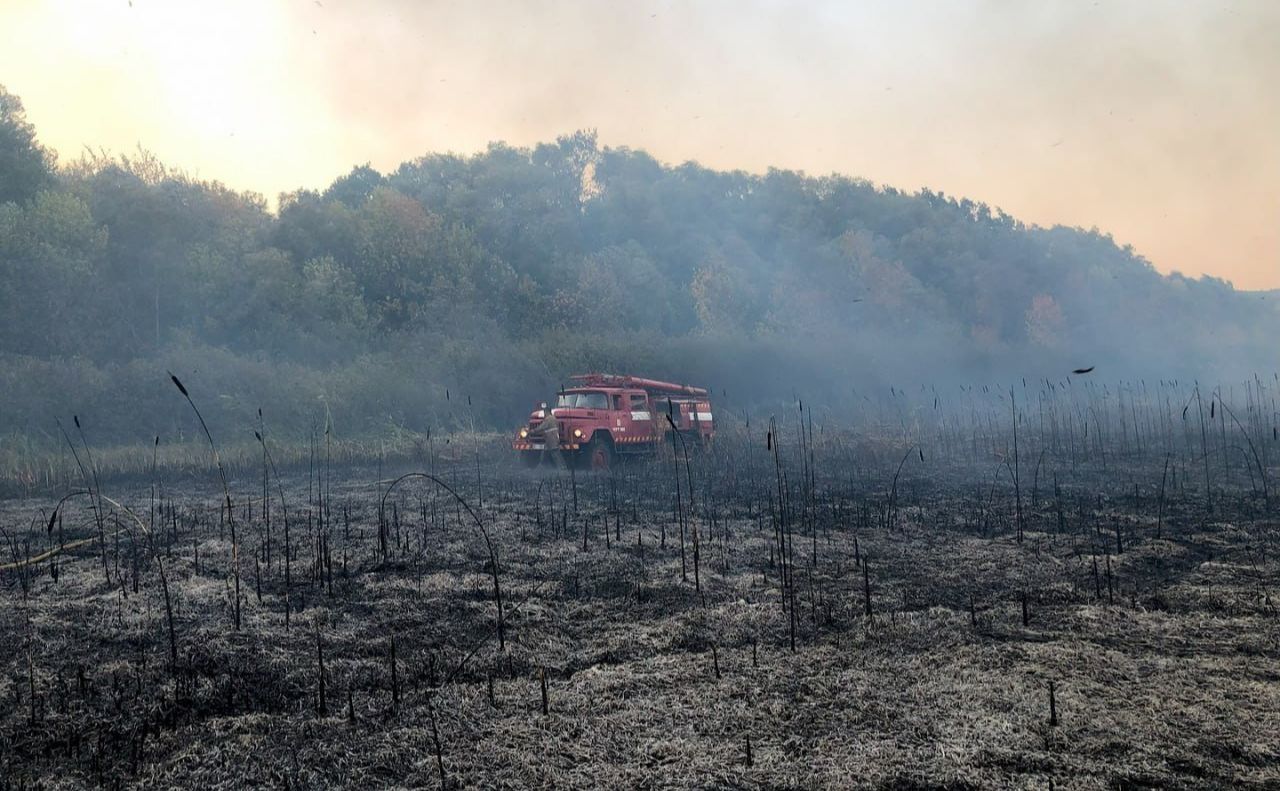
(833, 627)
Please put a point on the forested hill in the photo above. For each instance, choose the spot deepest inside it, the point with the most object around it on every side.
(496, 274)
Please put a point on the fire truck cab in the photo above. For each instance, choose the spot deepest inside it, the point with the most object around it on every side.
(604, 416)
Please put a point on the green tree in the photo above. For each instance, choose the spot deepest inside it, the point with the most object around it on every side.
(50, 249)
(354, 189)
(25, 166)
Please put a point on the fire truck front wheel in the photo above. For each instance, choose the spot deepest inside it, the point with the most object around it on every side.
(599, 455)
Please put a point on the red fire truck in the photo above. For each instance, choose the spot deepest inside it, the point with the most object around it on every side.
(604, 416)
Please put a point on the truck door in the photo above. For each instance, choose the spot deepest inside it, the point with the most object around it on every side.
(619, 419)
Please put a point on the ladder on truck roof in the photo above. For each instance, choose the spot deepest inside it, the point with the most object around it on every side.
(652, 385)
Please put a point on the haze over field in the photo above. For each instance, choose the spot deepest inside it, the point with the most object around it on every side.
(1155, 122)
(498, 271)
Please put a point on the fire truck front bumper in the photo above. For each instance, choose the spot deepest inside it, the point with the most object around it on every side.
(524, 444)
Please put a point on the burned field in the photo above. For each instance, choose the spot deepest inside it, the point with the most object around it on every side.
(921, 602)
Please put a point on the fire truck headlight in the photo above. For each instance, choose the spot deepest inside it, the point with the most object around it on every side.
(577, 433)
(524, 432)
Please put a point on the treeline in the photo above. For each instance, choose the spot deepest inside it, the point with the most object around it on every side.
(462, 288)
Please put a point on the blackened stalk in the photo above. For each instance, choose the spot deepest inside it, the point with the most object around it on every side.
(226, 493)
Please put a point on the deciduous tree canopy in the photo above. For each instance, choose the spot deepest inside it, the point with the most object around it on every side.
(501, 272)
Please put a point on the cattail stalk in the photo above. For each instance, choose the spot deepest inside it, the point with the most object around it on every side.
(226, 492)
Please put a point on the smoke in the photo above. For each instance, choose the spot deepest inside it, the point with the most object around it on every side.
(1153, 122)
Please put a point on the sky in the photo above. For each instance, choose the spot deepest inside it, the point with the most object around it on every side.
(1157, 122)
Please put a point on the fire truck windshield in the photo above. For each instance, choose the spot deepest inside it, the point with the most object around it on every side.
(583, 401)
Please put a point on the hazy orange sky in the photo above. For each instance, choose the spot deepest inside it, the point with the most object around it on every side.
(1158, 122)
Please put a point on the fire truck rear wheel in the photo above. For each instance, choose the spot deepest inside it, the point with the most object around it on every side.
(599, 454)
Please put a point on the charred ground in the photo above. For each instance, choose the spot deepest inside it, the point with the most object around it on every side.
(916, 606)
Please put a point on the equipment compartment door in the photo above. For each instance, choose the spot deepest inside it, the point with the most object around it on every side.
(637, 418)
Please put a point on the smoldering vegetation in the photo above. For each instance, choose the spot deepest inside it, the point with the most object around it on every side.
(1062, 582)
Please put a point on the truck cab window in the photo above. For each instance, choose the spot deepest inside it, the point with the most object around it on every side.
(582, 401)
